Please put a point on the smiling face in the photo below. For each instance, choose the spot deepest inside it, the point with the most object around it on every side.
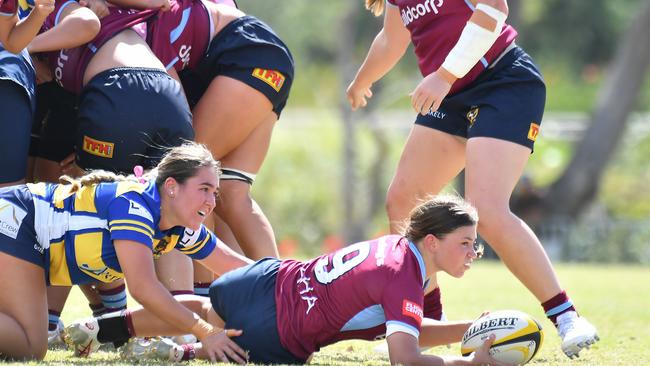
(455, 252)
(192, 201)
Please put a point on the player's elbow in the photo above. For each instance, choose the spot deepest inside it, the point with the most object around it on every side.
(90, 28)
(139, 291)
(15, 50)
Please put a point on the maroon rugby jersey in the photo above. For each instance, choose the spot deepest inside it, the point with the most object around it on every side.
(435, 27)
(364, 291)
(179, 37)
(8, 7)
(69, 65)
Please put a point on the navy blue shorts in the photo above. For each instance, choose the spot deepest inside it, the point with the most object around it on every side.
(17, 234)
(130, 116)
(55, 123)
(506, 102)
(245, 299)
(14, 140)
(249, 51)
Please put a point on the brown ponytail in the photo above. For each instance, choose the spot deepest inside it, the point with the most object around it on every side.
(375, 6)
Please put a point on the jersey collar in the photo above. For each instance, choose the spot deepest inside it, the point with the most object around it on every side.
(418, 256)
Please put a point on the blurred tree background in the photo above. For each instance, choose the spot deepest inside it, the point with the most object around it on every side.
(585, 189)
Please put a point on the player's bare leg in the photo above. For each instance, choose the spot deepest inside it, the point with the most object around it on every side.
(430, 160)
(235, 121)
(23, 310)
(493, 169)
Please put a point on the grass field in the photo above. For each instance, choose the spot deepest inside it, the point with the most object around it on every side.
(615, 298)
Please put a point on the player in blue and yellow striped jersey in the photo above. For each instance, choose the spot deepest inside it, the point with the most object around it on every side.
(105, 227)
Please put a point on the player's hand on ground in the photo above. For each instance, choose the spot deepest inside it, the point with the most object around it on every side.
(221, 348)
(357, 95)
(431, 91)
(99, 7)
(482, 355)
(43, 8)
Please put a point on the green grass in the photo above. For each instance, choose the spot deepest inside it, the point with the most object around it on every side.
(614, 298)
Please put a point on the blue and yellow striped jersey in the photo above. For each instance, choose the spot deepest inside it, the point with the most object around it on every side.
(77, 229)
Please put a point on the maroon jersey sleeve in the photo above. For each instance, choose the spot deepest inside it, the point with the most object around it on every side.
(8, 7)
(402, 301)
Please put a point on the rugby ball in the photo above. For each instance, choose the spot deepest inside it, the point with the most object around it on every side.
(518, 336)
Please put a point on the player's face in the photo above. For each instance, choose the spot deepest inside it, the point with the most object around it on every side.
(457, 250)
(196, 198)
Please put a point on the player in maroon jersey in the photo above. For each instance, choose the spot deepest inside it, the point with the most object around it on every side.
(479, 106)
(234, 68)
(289, 309)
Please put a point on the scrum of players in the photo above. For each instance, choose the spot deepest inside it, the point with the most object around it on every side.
(100, 178)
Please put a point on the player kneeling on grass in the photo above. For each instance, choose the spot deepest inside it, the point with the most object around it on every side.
(288, 309)
(104, 227)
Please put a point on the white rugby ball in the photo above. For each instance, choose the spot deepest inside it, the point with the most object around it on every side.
(518, 336)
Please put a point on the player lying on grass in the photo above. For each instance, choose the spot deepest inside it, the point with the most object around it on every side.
(289, 309)
(105, 227)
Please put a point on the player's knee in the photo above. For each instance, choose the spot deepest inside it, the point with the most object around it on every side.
(396, 198)
(40, 350)
(34, 350)
(490, 209)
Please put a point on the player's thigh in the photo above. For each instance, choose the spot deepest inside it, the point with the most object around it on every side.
(25, 302)
(429, 161)
(493, 169)
(174, 271)
(250, 154)
(227, 113)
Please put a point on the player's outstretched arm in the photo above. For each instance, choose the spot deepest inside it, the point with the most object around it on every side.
(77, 25)
(386, 50)
(403, 350)
(436, 332)
(15, 35)
(223, 259)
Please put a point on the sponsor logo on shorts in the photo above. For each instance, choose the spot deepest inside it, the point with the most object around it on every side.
(437, 114)
(412, 310)
(103, 274)
(472, 114)
(272, 77)
(533, 131)
(98, 148)
(11, 218)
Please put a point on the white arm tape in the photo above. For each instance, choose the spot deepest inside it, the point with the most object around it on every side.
(495, 14)
(474, 42)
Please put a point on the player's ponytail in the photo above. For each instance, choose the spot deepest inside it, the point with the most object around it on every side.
(375, 6)
(439, 215)
(93, 177)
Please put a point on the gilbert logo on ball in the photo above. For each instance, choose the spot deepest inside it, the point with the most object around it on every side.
(518, 336)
